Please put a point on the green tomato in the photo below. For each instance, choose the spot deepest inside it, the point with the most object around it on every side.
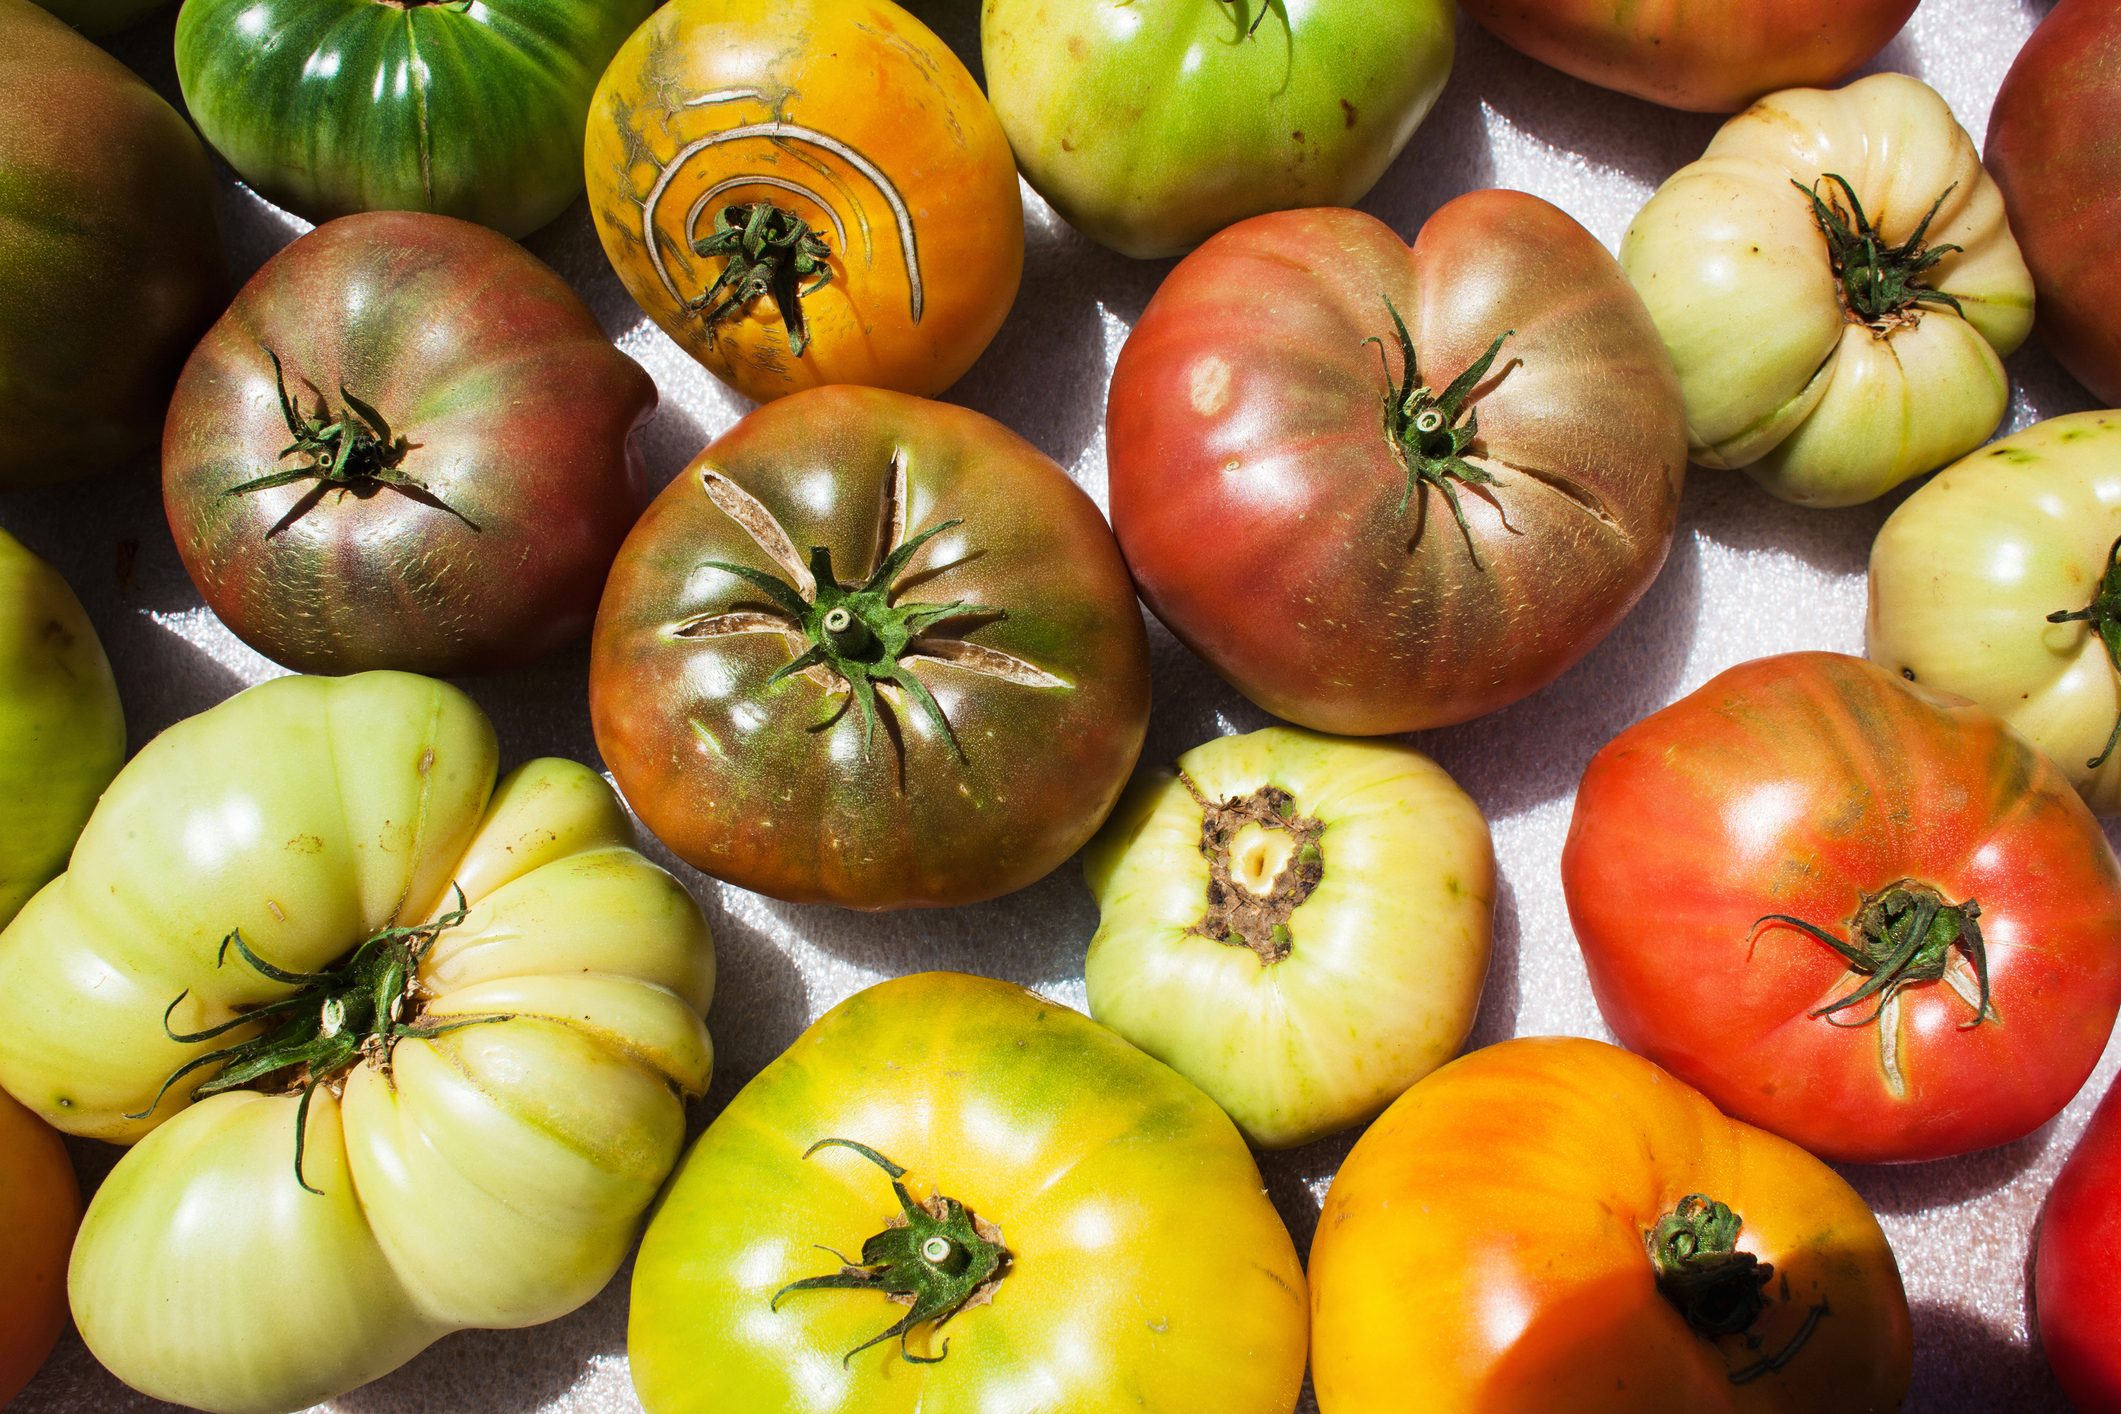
(62, 732)
(1152, 124)
(1047, 1222)
(1998, 581)
(329, 107)
(1297, 923)
(96, 18)
(408, 1051)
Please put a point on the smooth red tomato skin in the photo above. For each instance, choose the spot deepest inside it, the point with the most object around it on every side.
(1798, 785)
(1265, 510)
(1712, 58)
(2077, 1266)
(40, 1206)
(2054, 146)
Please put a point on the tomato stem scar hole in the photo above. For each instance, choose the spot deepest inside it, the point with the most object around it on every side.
(1882, 286)
(335, 1019)
(2104, 616)
(352, 451)
(1430, 433)
(1720, 1290)
(934, 1257)
(767, 252)
(1901, 935)
(1264, 861)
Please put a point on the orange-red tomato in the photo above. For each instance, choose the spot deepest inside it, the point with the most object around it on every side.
(1556, 1226)
(40, 1206)
(803, 192)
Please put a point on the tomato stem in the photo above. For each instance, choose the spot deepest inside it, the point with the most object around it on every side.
(2104, 615)
(935, 1257)
(1881, 285)
(335, 1019)
(1901, 935)
(1430, 433)
(1720, 1290)
(767, 252)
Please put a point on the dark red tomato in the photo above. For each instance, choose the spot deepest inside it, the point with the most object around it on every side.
(406, 445)
(1715, 57)
(110, 261)
(2077, 1266)
(871, 650)
(1854, 911)
(1370, 528)
(2054, 146)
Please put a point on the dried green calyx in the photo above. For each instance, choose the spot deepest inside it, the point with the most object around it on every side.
(934, 1257)
(1720, 1290)
(1881, 285)
(767, 252)
(1431, 432)
(1905, 933)
(1260, 10)
(2104, 616)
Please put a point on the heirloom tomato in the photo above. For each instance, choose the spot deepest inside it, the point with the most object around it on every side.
(1047, 1222)
(110, 261)
(2077, 1266)
(803, 192)
(874, 651)
(403, 1051)
(1152, 124)
(406, 445)
(62, 731)
(1708, 58)
(1555, 1224)
(1839, 288)
(1854, 911)
(43, 1207)
(2054, 143)
(328, 107)
(2001, 581)
(1444, 477)
(1296, 923)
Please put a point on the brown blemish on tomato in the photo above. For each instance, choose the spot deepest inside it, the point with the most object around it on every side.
(1350, 111)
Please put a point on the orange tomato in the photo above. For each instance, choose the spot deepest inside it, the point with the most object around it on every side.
(804, 192)
(1556, 1224)
(40, 1206)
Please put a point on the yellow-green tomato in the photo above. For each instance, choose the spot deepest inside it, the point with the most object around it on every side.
(1035, 1218)
(1997, 581)
(1839, 287)
(1297, 923)
(62, 732)
(405, 1051)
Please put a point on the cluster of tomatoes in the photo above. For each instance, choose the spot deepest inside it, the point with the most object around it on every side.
(402, 1045)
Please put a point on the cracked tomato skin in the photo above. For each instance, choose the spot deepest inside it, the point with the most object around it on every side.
(1152, 124)
(2054, 146)
(1264, 507)
(2077, 1266)
(43, 1207)
(1506, 1199)
(329, 107)
(1147, 1269)
(1800, 785)
(1708, 58)
(521, 416)
(854, 118)
(779, 786)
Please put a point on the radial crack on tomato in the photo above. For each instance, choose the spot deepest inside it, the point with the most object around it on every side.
(935, 1257)
(341, 1016)
(1882, 286)
(1901, 935)
(2104, 616)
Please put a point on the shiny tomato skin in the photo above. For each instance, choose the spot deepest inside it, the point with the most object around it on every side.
(2077, 1266)
(779, 786)
(2054, 146)
(1799, 785)
(1266, 513)
(521, 417)
(43, 1207)
(1712, 58)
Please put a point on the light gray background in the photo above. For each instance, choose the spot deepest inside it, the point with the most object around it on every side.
(1747, 576)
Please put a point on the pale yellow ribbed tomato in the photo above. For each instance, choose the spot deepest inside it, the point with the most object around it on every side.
(1297, 923)
(312, 903)
(1970, 574)
(1839, 287)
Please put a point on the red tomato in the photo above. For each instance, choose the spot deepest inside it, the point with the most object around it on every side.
(2054, 146)
(1712, 58)
(2077, 1266)
(1373, 527)
(1859, 913)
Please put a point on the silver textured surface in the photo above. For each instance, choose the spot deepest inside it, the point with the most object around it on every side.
(1747, 576)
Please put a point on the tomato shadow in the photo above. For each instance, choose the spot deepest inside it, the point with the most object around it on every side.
(1964, 1362)
(1922, 1187)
